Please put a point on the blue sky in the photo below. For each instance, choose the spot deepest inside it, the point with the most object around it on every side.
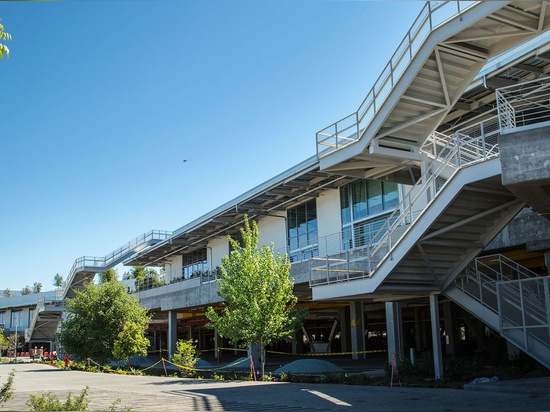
(102, 101)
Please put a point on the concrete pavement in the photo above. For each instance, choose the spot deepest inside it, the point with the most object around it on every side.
(175, 394)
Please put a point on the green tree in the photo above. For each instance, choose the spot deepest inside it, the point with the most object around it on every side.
(7, 293)
(3, 341)
(36, 287)
(257, 289)
(96, 316)
(3, 48)
(185, 356)
(109, 275)
(26, 290)
(58, 280)
(130, 342)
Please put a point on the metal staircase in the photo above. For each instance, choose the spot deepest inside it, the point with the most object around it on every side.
(446, 219)
(47, 316)
(86, 267)
(444, 49)
(511, 299)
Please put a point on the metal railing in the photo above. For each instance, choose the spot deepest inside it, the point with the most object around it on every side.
(100, 264)
(519, 296)
(449, 154)
(350, 129)
(524, 104)
(37, 310)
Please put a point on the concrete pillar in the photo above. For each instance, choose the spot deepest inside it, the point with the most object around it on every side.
(436, 341)
(394, 330)
(418, 333)
(451, 328)
(356, 328)
(344, 329)
(172, 332)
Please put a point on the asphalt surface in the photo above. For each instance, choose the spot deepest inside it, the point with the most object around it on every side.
(143, 393)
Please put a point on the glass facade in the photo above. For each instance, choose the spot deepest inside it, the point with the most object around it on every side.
(302, 231)
(194, 263)
(364, 206)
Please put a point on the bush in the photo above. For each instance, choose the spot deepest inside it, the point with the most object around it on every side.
(6, 391)
(50, 402)
(185, 357)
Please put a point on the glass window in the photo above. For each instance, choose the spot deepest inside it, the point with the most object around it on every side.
(359, 199)
(391, 196)
(344, 204)
(194, 263)
(302, 231)
(374, 190)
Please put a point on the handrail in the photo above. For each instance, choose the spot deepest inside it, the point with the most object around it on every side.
(449, 154)
(38, 308)
(102, 263)
(432, 16)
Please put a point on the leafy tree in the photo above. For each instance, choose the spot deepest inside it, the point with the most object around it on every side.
(36, 287)
(3, 341)
(26, 290)
(13, 341)
(146, 278)
(185, 355)
(257, 289)
(130, 342)
(7, 293)
(95, 318)
(58, 280)
(109, 275)
(3, 48)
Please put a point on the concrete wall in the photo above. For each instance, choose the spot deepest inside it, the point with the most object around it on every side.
(218, 248)
(273, 229)
(526, 227)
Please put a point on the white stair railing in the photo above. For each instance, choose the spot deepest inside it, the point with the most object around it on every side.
(37, 310)
(448, 154)
(519, 296)
(350, 129)
(100, 264)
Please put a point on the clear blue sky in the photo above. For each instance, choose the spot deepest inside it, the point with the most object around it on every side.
(102, 101)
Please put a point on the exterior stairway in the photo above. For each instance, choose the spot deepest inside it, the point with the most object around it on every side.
(509, 298)
(447, 218)
(47, 315)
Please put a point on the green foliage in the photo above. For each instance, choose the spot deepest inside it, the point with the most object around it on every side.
(113, 406)
(3, 48)
(185, 355)
(3, 341)
(95, 318)
(13, 341)
(257, 289)
(26, 290)
(58, 280)
(109, 275)
(36, 287)
(6, 390)
(7, 293)
(131, 341)
(50, 402)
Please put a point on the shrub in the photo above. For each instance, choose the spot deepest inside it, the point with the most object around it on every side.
(6, 391)
(50, 402)
(185, 356)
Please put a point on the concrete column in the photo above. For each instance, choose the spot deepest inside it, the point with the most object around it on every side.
(418, 329)
(356, 328)
(394, 330)
(436, 341)
(172, 332)
(344, 329)
(451, 328)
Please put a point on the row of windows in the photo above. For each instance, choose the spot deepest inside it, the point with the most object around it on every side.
(360, 201)
(193, 263)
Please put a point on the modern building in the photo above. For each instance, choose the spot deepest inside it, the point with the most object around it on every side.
(422, 220)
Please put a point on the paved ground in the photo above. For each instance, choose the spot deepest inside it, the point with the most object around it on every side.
(173, 394)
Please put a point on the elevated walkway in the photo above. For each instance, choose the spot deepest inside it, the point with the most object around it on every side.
(47, 314)
(445, 48)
